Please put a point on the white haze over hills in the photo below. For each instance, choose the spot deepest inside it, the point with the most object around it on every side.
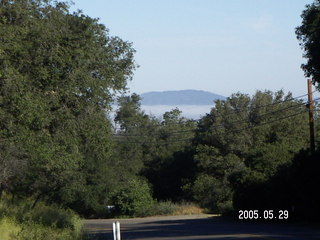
(193, 103)
(188, 111)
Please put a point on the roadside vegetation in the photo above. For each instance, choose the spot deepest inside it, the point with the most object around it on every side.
(62, 157)
(21, 221)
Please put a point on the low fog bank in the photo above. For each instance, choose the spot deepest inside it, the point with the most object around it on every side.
(188, 111)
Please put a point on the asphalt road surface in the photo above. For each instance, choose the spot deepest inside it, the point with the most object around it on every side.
(198, 227)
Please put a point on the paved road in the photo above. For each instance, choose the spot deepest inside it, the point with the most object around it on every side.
(198, 227)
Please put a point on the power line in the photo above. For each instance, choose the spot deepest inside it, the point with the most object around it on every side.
(270, 113)
(159, 125)
(270, 122)
(273, 121)
(270, 104)
(221, 125)
(160, 143)
(163, 133)
(232, 113)
(237, 130)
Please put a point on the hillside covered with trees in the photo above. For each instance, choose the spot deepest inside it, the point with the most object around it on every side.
(62, 156)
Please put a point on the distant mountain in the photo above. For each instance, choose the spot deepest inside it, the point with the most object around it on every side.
(182, 97)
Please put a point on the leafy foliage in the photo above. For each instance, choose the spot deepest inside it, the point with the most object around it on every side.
(59, 72)
(59, 75)
(134, 199)
(291, 188)
(309, 36)
(154, 148)
(243, 139)
(19, 221)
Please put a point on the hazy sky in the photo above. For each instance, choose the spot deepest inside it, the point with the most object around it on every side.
(222, 46)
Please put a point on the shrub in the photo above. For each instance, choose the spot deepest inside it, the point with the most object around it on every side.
(39, 232)
(186, 208)
(212, 193)
(164, 208)
(134, 199)
(18, 221)
(170, 208)
(226, 208)
(54, 216)
(8, 229)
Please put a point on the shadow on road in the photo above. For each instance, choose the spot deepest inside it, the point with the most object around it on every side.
(200, 228)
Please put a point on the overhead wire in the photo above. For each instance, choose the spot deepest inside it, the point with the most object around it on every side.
(236, 130)
(271, 104)
(269, 113)
(160, 143)
(220, 125)
(158, 125)
(253, 108)
(141, 135)
(243, 120)
(271, 121)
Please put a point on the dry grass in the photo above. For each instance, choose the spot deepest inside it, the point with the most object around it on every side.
(168, 208)
(188, 209)
(19, 222)
(8, 229)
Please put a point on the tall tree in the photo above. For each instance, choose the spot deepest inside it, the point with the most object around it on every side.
(169, 162)
(309, 36)
(134, 130)
(154, 148)
(59, 72)
(246, 139)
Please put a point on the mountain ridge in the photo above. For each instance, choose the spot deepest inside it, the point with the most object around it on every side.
(180, 97)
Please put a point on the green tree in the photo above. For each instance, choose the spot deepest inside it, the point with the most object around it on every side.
(170, 164)
(134, 199)
(129, 115)
(246, 139)
(133, 133)
(291, 188)
(59, 72)
(154, 148)
(309, 36)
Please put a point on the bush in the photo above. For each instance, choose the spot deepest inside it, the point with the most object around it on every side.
(134, 199)
(186, 208)
(292, 188)
(9, 229)
(18, 221)
(53, 216)
(211, 193)
(39, 232)
(226, 208)
(164, 208)
(170, 208)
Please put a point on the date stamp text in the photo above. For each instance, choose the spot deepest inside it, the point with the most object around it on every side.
(264, 215)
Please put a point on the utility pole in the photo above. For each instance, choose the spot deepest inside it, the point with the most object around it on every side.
(311, 119)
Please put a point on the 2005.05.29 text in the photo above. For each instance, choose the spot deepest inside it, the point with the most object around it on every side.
(266, 214)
